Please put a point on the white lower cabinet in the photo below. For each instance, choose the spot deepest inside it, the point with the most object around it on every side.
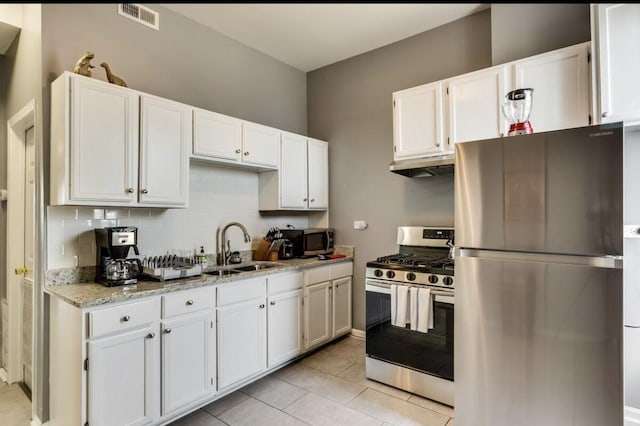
(187, 338)
(327, 303)
(151, 360)
(284, 317)
(122, 378)
(242, 331)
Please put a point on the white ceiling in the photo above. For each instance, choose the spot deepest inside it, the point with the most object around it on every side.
(310, 36)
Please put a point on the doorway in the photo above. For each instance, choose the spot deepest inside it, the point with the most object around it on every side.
(21, 249)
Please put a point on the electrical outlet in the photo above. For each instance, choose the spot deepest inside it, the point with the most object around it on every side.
(360, 224)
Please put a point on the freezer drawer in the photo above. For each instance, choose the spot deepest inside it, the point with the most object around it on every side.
(537, 343)
(551, 192)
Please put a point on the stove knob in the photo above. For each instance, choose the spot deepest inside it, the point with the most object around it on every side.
(391, 274)
(377, 273)
(447, 281)
(433, 279)
(411, 276)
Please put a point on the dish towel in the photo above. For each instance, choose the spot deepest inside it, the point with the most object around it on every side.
(399, 305)
(421, 315)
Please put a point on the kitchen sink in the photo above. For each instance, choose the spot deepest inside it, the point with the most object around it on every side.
(223, 272)
(256, 267)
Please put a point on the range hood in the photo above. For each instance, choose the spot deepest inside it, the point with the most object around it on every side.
(424, 167)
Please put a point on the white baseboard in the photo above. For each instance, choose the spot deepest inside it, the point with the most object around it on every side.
(3, 374)
(358, 333)
(36, 422)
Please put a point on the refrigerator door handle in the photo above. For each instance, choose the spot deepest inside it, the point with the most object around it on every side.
(611, 262)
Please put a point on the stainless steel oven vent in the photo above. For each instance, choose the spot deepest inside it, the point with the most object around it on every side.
(424, 167)
(140, 14)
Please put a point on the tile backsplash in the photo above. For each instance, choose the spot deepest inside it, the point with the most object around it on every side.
(218, 196)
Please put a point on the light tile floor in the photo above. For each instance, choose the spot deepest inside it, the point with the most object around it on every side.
(327, 387)
(15, 407)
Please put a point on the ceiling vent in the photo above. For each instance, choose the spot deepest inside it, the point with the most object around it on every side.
(140, 14)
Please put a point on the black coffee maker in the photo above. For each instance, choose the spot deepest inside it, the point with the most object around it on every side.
(112, 248)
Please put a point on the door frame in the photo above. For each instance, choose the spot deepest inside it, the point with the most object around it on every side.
(16, 129)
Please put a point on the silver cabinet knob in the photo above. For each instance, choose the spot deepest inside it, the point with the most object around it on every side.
(151, 335)
(145, 191)
(246, 153)
(437, 145)
(189, 302)
(167, 330)
(130, 190)
(313, 200)
(605, 114)
(273, 302)
(126, 318)
(238, 151)
(304, 199)
(261, 306)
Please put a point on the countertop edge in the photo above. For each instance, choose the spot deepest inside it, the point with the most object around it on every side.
(79, 295)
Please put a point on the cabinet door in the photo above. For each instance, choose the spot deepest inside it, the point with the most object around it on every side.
(341, 306)
(217, 135)
(260, 145)
(318, 174)
(293, 171)
(417, 121)
(317, 314)
(165, 138)
(475, 105)
(560, 83)
(242, 341)
(122, 379)
(284, 327)
(188, 365)
(103, 143)
(618, 44)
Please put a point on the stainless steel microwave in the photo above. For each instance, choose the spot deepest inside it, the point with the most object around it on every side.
(311, 241)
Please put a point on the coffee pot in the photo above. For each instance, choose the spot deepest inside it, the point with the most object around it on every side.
(286, 250)
(112, 248)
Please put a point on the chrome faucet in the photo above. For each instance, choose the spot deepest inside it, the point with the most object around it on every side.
(225, 253)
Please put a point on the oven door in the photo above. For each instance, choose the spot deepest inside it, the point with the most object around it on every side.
(430, 353)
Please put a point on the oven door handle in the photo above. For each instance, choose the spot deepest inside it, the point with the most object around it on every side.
(376, 286)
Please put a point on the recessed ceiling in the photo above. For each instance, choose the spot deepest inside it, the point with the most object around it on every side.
(310, 36)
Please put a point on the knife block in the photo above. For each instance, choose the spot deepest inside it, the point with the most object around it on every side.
(262, 250)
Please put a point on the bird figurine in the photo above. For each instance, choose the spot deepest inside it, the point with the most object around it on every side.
(112, 78)
(83, 66)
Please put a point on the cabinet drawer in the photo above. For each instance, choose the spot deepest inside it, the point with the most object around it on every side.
(123, 317)
(341, 270)
(241, 291)
(187, 301)
(317, 275)
(284, 282)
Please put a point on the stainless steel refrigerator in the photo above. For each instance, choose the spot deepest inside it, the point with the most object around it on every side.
(539, 279)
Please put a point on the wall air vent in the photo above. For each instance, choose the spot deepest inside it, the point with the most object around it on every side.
(140, 14)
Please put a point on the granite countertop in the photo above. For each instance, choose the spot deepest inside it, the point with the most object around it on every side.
(89, 294)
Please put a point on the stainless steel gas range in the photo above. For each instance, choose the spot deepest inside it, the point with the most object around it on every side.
(409, 314)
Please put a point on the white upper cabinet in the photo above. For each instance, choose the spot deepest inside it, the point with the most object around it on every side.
(260, 145)
(233, 142)
(560, 83)
(418, 121)
(318, 173)
(293, 171)
(302, 182)
(475, 102)
(114, 146)
(616, 35)
(94, 137)
(217, 135)
(165, 138)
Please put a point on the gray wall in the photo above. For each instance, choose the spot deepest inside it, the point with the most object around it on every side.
(184, 61)
(522, 30)
(349, 104)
